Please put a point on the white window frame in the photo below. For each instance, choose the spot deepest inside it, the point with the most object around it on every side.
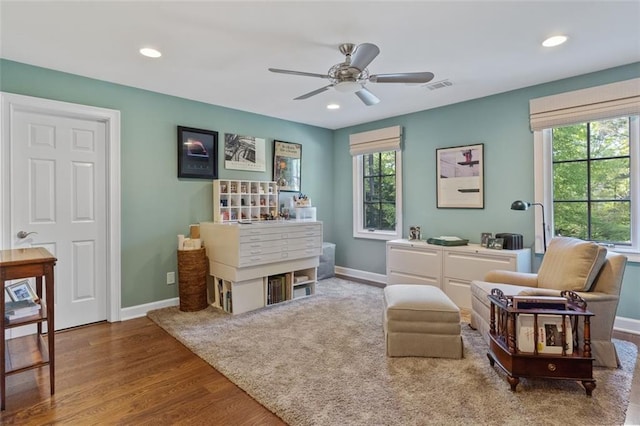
(543, 165)
(359, 231)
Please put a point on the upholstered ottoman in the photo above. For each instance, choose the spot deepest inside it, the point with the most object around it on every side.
(420, 320)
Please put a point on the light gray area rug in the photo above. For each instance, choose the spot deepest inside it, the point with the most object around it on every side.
(321, 361)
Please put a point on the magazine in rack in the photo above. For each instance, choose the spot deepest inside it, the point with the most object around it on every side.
(550, 338)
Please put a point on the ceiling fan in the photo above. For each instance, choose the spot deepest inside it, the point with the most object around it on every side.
(351, 75)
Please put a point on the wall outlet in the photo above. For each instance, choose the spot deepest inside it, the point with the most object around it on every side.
(171, 277)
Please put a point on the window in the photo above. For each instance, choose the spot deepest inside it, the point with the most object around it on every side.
(592, 197)
(587, 164)
(377, 184)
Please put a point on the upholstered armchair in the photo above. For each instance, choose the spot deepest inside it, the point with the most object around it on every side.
(569, 264)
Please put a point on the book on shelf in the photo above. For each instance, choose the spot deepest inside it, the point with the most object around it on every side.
(302, 291)
(20, 309)
(276, 289)
(539, 302)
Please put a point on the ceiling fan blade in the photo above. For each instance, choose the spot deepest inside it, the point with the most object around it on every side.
(315, 92)
(305, 74)
(363, 55)
(367, 97)
(403, 77)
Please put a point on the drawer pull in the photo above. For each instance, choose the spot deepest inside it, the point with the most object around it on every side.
(551, 366)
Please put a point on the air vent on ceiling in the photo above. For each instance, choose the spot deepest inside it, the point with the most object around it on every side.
(439, 85)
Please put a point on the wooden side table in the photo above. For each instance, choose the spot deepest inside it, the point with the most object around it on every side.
(576, 364)
(26, 263)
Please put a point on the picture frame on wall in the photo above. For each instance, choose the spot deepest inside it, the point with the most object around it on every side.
(244, 153)
(197, 153)
(287, 165)
(460, 177)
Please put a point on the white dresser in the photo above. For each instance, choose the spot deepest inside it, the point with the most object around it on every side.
(449, 268)
(245, 259)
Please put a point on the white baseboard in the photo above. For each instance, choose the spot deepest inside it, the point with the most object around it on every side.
(141, 310)
(362, 275)
(627, 325)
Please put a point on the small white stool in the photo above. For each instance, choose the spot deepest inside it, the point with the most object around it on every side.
(420, 320)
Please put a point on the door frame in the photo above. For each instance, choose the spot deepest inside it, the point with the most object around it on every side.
(11, 103)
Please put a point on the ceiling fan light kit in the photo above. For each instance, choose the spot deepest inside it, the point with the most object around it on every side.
(352, 75)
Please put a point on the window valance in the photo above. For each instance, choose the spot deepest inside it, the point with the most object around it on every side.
(595, 103)
(387, 139)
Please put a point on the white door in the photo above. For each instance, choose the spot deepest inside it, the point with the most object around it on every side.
(58, 194)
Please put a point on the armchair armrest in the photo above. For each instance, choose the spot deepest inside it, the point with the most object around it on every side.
(514, 278)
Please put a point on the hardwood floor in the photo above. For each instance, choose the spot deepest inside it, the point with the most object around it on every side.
(133, 372)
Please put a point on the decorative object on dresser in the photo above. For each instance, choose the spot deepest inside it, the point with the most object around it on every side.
(303, 208)
(414, 233)
(283, 355)
(510, 241)
(460, 177)
(484, 238)
(583, 267)
(246, 260)
(244, 200)
(495, 243)
(449, 268)
(287, 165)
(197, 153)
(244, 153)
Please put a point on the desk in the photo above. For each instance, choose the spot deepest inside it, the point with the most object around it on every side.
(26, 263)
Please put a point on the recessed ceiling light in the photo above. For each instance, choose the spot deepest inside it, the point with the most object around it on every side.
(554, 41)
(150, 52)
(333, 106)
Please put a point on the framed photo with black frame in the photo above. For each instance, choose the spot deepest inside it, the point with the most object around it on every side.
(287, 165)
(197, 153)
(460, 177)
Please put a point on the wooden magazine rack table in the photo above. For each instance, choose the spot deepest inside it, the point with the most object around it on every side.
(572, 359)
(26, 263)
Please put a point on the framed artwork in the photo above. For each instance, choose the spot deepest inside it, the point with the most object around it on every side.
(287, 165)
(460, 177)
(21, 291)
(197, 153)
(244, 153)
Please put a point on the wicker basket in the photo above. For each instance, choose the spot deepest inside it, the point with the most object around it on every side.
(192, 279)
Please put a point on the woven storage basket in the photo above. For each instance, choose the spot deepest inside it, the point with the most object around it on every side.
(192, 279)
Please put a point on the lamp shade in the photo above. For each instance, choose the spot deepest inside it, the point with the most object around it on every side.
(520, 205)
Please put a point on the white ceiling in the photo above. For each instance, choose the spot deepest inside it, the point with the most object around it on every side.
(218, 52)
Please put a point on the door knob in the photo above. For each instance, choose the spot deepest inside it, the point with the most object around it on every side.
(25, 234)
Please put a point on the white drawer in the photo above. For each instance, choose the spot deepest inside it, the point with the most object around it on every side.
(259, 259)
(474, 266)
(417, 261)
(281, 234)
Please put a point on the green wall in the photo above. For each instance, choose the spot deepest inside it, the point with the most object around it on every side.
(156, 205)
(501, 122)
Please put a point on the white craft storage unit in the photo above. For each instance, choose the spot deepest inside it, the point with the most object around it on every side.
(450, 268)
(245, 200)
(243, 258)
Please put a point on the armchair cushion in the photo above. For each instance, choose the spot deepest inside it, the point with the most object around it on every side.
(571, 264)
